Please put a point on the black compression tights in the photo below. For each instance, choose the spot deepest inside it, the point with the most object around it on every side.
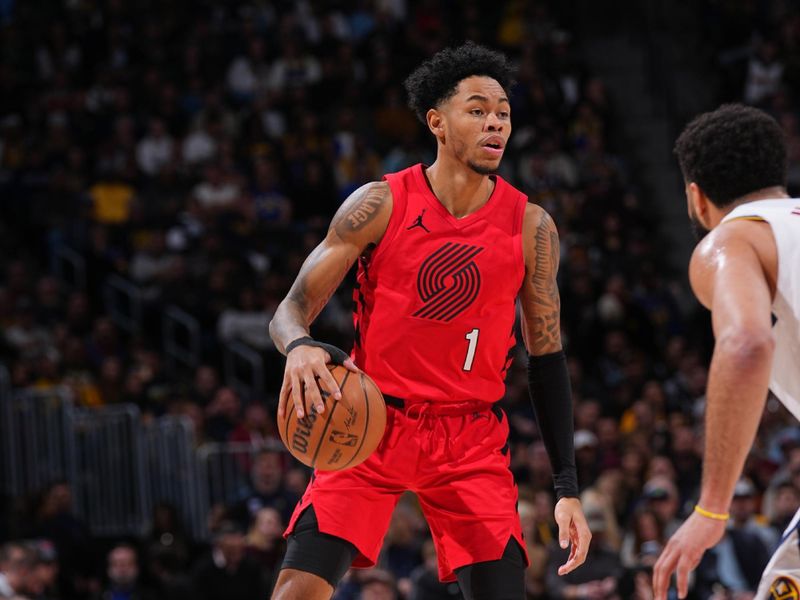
(329, 557)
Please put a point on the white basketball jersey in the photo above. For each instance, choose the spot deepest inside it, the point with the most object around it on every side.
(784, 218)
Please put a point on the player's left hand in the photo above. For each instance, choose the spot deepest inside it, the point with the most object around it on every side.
(683, 553)
(573, 531)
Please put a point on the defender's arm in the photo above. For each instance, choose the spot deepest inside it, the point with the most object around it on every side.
(728, 277)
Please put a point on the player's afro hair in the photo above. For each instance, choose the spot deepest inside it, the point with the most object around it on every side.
(731, 152)
(435, 80)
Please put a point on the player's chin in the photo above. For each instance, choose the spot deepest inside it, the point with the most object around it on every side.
(485, 167)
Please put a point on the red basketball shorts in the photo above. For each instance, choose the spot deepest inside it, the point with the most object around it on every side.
(458, 465)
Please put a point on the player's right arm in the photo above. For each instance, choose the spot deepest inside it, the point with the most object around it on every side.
(728, 276)
(359, 223)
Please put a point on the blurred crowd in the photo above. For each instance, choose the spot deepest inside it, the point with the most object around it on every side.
(756, 48)
(198, 149)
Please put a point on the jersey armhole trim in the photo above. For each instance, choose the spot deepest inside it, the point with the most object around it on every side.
(399, 204)
(747, 218)
(519, 244)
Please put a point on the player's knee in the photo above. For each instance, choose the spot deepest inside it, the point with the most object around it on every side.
(312, 554)
(293, 584)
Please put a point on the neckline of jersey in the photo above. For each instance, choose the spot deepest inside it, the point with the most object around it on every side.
(426, 190)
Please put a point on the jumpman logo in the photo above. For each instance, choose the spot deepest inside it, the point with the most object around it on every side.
(418, 222)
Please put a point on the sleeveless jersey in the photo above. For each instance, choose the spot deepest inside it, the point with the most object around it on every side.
(435, 303)
(783, 217)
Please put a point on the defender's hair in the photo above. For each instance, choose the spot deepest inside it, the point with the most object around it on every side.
(731, 152)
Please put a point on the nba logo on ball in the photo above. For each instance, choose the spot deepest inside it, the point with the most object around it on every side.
(346, 432)
(784, 588)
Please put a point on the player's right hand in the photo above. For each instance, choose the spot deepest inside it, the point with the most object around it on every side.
(683, 552)
(304, 366)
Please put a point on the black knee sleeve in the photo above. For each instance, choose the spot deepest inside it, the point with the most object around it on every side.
(502, 579)
(321, 554)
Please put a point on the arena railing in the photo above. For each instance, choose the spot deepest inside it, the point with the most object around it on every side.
(37, 442)
(110, 486)
(244, 370)
(182, 338)
(118, 467)
(124, 302)
(225, 469)
(69, 267)
(173, 472)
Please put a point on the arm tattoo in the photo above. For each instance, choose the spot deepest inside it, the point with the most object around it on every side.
(545, 323)
(362, 210)
(348, 236)
(309, 306)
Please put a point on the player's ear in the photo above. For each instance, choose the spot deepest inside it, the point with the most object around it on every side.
(697, 201)
(435, 123)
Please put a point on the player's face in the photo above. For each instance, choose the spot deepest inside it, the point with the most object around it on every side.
(477, 123)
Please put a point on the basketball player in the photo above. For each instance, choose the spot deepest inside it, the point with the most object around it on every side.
(444, 253)
(747, 271)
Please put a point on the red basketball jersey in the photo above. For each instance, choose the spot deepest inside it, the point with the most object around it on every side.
(435, 303)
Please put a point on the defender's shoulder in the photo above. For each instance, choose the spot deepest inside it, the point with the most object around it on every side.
(733, 242)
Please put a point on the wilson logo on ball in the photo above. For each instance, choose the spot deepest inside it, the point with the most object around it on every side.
(303, 431)
(448, 281)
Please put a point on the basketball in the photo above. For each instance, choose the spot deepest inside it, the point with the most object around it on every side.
(346, 433)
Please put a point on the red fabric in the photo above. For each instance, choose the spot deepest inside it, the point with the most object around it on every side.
(457, 465)
(425, 289)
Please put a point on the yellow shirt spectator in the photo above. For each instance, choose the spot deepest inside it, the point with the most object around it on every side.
(111, 202)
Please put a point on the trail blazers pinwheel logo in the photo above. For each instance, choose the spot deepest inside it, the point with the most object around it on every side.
(448, 281)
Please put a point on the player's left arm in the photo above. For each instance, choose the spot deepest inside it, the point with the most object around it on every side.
(548, 379)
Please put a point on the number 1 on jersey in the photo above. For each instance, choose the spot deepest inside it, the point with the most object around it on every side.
(472, 336)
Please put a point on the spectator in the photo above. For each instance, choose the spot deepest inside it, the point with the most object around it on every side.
(661, 496)
(764, 73)
(167, 542)
(155, 150)
(265, 543)
(218, 192)
(123, 576)
(424, 580)
(43, 582)
(227, 573)
(378, 584)
(786, 501)
(16, 563)
(743, 515)
(268, 489)
(245, 323)
(645, 538)
(55, 520)
(223, 414)
(257, 428)
(206, 383)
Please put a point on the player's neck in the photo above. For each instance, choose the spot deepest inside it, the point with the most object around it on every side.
(461, 190)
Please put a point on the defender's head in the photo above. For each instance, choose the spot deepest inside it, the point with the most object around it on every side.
(461, 94)
(726, 155)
